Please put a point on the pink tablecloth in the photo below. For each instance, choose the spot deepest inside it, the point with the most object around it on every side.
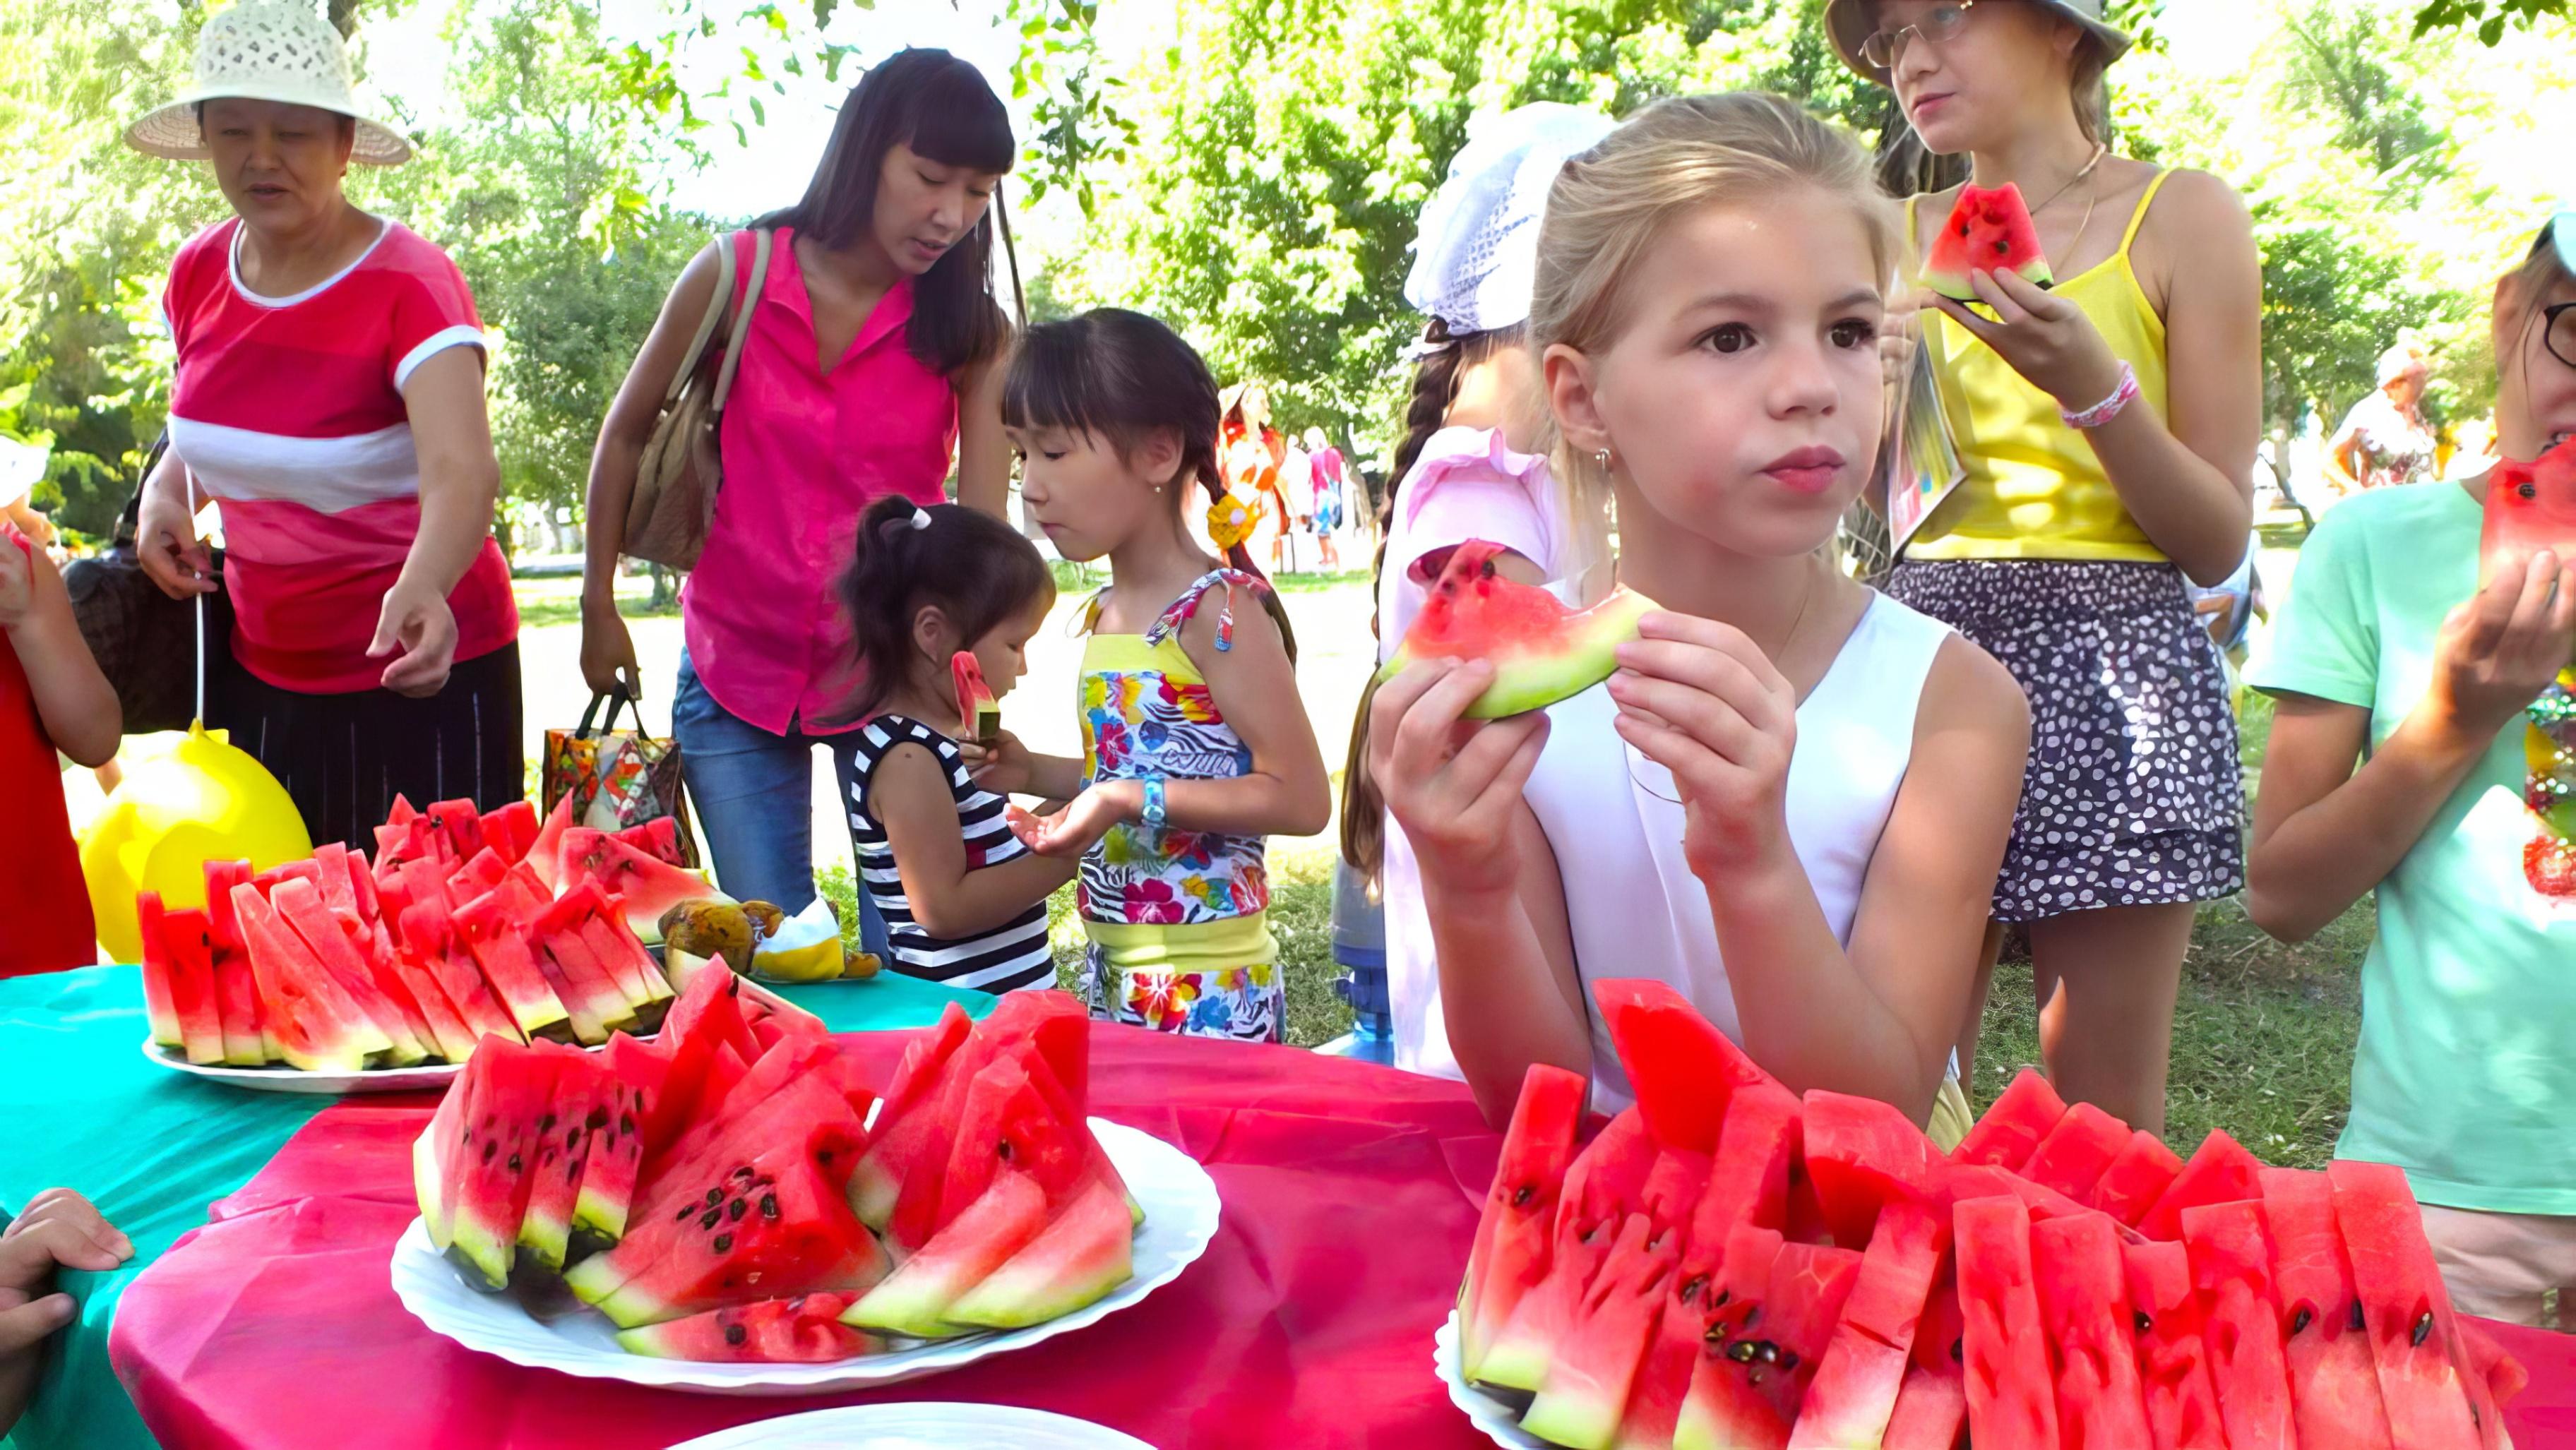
(1349, 1200)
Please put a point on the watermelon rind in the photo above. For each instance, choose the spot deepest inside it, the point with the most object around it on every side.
(1073, 1262)
(1988, 230)
(915, 1299)
(1529, 673)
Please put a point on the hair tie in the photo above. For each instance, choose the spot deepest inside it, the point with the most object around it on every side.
(920, 517)
(919, 520)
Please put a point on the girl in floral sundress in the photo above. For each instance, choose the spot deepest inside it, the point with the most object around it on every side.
(1195, 745)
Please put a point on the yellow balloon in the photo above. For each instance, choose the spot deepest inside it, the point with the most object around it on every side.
(203, 801)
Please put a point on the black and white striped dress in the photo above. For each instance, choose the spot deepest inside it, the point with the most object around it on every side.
(1012, 957)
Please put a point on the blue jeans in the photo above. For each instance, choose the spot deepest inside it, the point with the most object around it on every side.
(755, 797)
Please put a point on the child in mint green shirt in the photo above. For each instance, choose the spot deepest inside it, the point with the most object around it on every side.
(2402, 665)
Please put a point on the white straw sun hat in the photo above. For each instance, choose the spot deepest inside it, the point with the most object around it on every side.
(266, 50)
(1476, 254)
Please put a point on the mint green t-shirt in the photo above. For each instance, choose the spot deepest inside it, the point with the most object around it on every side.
(2466, 1072)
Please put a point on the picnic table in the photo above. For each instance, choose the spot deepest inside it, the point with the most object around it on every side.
(259, 1311)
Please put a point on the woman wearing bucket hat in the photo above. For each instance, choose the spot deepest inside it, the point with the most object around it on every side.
(2107, 430)
(328, 397)
(870, 361)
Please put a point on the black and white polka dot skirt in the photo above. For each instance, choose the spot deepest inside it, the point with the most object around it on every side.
(2135, 796)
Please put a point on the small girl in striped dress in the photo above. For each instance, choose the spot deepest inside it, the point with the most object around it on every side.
(964, 901)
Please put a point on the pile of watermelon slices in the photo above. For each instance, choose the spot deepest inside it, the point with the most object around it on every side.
(720, 1194)
(467, 924)
(1725, 1266)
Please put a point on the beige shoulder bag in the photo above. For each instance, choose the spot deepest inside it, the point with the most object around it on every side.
(676, 481)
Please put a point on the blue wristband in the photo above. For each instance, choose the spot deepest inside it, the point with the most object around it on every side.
(1154, 805)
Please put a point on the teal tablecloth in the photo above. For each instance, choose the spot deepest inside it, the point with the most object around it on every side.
(81, 1108)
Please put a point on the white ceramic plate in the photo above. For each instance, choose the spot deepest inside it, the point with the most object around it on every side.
(1500, 1422)
(926, 1426)
(1181, 1209)
(283, 1079)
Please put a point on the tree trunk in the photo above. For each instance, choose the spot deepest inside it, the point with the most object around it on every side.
(662, 589)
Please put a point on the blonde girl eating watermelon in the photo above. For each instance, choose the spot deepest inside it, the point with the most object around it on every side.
(2107, 428)
(2401, 649)
(1790, 800)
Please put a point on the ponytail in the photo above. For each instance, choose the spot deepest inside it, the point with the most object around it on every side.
(976, 569)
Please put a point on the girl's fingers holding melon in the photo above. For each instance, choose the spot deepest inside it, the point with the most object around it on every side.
(1733, 671)
(1425, 732)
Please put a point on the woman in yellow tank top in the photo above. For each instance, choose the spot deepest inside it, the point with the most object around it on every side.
(2108, 429)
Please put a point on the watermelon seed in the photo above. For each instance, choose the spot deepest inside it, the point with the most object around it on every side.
(708, 1219)
(715, 1195)
(1959, 1351)
(1788, 1359)
(735, 1211)
(1696, 1287)
(1767, 1352)
(1006, 1150)
(490, 1147)
(1723, 1295)
(572, 1139)
(724, 1243)
(2423, 1328)
(1523, 1194)
(2356, 1314)
(598, 1119)
(626, 1123)
(796, 1305)
(685, 1210)
(743, 1172)
(736, 1334)
(1741, 1351)
(769, 1205)
(2302, 1319)
(2145, 1325)
(515, 1165)
(546, 1124)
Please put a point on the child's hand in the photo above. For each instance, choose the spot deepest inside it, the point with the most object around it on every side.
(1002, 767)
(60, 1229)
(1454, 784)
(1079, 826)
(1700, 699)
(2497, 652)
(17, 576)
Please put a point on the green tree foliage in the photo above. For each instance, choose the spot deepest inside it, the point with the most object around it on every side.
(2488, 18)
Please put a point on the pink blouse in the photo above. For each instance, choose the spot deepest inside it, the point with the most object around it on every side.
(805, 453)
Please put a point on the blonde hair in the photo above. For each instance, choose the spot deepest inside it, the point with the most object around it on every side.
(1612, 203)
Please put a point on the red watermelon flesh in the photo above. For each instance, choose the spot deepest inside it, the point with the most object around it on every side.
(1085, 1251)
(318, 1028)
(978, 713)
(2231, 1267)
(2084, 1302)
(401, 812)
(1541, 651)
(2012, 1128)
(643, 887)
(191, 992)
(567, 954)
(2136, 1178)
(622, 958)
(1511, 1246)
(1860, 1153)
(542, 853)
(772, 1225)
(462, 824)
(789, 1094)
(2505, 1376)
(229, 958)
(557, 1157)
(1931, 1410)
(1989, 230)
(1682, 1070)
(2532, 506)
(906, 1130)
(511, 830)
(1724, 1409)
(806, 1329)
(2403, 1306)
(917, 1206)
(2173, 1364)
(1581, 1401)
(300, 906)
(304, 870)
(430, 1155)
(2011, 1402)
(501, 951)
(2221, 1172)
(1059, 1027)
(2334, 1383)
(1782, 1341)
(1604, 1184)
(160, 1002)
(1862, 1371)
(633, 1073)
(487, 1181)
(430, 946)
(914, 1300)
(1007, 1123)
(658, 838)
(2076, 1153)
(1940, 1338)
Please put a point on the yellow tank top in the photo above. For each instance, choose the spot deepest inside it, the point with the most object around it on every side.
(2034, 489)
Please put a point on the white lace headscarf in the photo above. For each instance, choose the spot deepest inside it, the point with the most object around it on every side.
(1477, 246)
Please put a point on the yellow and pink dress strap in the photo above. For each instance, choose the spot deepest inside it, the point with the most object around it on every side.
(1186, 607)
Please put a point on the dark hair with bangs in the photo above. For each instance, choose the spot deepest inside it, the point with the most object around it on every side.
(978, 570)
(1122, 376)
(940, 107)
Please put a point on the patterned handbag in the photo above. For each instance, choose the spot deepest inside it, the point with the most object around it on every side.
(617, 778)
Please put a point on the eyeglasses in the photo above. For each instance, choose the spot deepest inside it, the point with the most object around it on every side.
(2559, 324)
(1884, 48)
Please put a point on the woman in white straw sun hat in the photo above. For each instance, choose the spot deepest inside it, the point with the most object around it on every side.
(2384, 440)
(328, 397)
(2107, 430)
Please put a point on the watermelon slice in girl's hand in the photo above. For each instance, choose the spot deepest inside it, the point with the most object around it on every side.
(977, 711)
(2532, 506)
(1542, 652)
(1988, 231)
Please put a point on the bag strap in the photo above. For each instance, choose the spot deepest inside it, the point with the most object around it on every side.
(762, 241)
(618, 699)
(707, 324)
(1011, 254)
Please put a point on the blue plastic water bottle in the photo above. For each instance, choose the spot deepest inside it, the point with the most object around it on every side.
(1359, 947)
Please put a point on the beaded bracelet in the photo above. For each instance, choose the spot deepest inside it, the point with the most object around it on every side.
(2110, 407)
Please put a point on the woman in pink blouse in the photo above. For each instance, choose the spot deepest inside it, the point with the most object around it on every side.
(873, 357)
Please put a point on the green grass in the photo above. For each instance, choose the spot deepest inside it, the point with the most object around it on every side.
(545, 602)
(1073, 578)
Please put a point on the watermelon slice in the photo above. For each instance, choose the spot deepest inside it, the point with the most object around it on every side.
(979, 714)
(915, 1299)
(189, 991)
(2334, 1384)
(643, 887)
(633, 1073)
(2077, 1152)
(802, 1113)
(511, 830)
(2221, 1172)
(1787, 1335)
(1607, 1181)
(1542, 652)
(1580, 1402)
(2011, 1405)
(300, 906)
(2136, 1178)
(560, 1152)
(541, 854)
(1989, 230)
(1083, 1253)
(1682, 1071)
(2084, 1302)
(2404, 1305)
(1727, 1407)
(487, 1182)
(1510, 1254)
(229, 958)
(318, 1028)
(1008, 1123)
(1853, 1398)
(774, 1224)
(437, 1146)
(2011, 1129)
(461, 822)
(500, 949)
(2173, 1365)
(2532, 506)
(2231, 1266)
(658, 838)
(160, 1002)
(430, 947)
(1860, 1153)
(1930, 1410)
(806, 1329)
(905, 1128)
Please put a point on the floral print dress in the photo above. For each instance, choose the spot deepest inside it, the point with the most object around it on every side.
(1178, 920)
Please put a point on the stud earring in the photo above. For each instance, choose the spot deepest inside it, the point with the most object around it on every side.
(1602, 456)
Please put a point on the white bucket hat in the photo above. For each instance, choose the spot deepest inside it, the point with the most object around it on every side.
(266, 50)
(1475, 256)
(1847, 25)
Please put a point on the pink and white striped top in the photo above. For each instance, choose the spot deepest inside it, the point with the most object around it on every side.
(289, 412)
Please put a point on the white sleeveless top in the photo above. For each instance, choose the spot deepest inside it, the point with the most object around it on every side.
(1635, 907)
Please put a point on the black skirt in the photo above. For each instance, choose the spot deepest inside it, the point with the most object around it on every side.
(2135, 795)
(345, 757)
